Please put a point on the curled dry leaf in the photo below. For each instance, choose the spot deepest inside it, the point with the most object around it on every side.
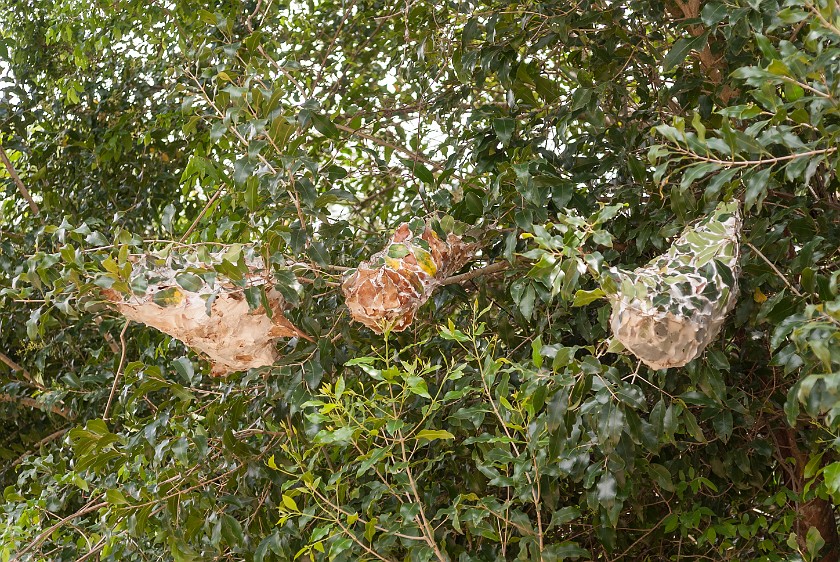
(388, 289)
(667, 312)
(208, 312)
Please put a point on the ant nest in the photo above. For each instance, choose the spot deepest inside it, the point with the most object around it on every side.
(667, 312)
(225, 306)
(387, 290)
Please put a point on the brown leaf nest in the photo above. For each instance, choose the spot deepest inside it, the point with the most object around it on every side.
(207, 311)
(389, 288)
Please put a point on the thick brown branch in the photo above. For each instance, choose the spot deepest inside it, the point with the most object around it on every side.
(32, 403)
(16, 178)
(15, 367)
(486, 270)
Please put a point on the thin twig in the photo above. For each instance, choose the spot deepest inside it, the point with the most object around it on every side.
(774, 268)
(40, 538)
(743, 163)
(248, 20)
(301, 90)
(51, 437)
(202, 213)
(22, 188)
(330, 48)
(93, 551)
(119, 371)
(11, 234)
(109, 339)
(414, 155)
(790, 196)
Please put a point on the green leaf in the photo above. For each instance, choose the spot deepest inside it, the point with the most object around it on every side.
(171, 296)
(318, 252)
(814, 542)
(831, 474)
(565, 550)
(525, 299)
(681, 49)
(536, 348)
(713, 13)
(420, 171)
(582, 298)
(115, 497)
(718, 181)
(696, 172)
(184, 367)
(662, 476)
(504, 129)
(189, 282)
(397, 251)
(324, 126)
(232, 531)
(756, 188)
(432, 434)
(290, 503)
(417, 386)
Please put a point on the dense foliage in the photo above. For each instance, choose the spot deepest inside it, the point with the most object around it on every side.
(563, 136)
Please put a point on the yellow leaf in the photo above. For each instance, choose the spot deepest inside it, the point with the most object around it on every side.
(425, 261)
(170, 296)
(758, 296)
(396, 265)
(289, 503)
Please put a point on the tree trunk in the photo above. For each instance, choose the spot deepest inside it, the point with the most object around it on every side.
(816, 512)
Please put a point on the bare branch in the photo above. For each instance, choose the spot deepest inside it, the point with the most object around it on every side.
(49, 438)
(760, 162)
(15, 367)
(118, 373)
(40, 538)
(203, 212)
(486, 270)
(32, 403)
(381, 142)
(775, 269)
(112, 343)
(16, 178)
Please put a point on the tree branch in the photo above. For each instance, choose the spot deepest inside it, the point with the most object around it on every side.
(40, 538)
(15, 367)
(118, 373)
(486, 270)
(39, 444)
(775, 269)
(112, 343)
(414, 155)
(760, 162)
(32, 403)
(16, 178)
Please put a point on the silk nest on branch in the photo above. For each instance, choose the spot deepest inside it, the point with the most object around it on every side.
(387, 290)
(224, 305)
(667, 312)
